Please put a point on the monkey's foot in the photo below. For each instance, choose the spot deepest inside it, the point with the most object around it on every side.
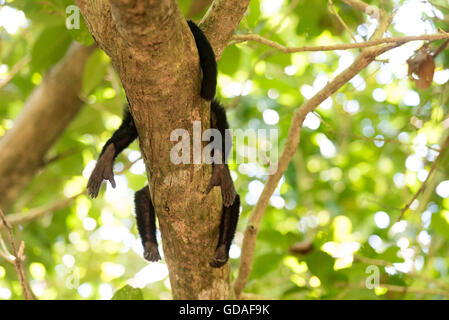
(102, 171)
(220, 257)
(151, 252)
(222, 178)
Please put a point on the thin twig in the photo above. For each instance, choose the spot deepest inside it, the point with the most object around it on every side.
(412, 274)
(331, 5)
(372, 139)
(17, 258)
(424, 184)
(344, 46)
(59, 156)
(440, 49)
(128, 166)
(33, 214)
(438, 5)
(395, 288)
(14, 70)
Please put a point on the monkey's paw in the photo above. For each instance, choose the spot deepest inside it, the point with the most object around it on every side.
(151, 252)
(222, 178)
(102, 171)
(220, 257)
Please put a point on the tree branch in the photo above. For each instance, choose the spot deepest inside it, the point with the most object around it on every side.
(335, 13)
(103, 27)
(52, 105)
(344, 46)
(35, 213)
(220, 22)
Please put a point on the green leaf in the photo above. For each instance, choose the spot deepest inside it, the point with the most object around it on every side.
(320, 264)
(230, 60)
(128, 293)
(94, 72)
(265, 263)
(49, 47)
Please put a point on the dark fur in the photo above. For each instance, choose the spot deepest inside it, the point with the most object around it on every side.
(124, 135)
(207, 62)
(145, 215)
(146, 223)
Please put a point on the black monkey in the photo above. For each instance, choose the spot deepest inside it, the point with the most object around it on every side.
(145, 214)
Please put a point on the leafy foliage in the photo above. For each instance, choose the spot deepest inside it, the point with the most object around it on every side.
(362, 157)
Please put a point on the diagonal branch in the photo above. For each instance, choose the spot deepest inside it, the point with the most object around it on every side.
(52, 105)
(33, 214)
(14, 70)
(293, 138)
(412, 274)
(424, 184)
(335, 13)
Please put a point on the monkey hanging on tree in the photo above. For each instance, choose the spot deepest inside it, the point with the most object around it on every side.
(145, 213)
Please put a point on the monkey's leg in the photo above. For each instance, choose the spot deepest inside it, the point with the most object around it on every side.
(121, 138)
(220, 172)
(146, 223)
(222, 177)
(228, 224)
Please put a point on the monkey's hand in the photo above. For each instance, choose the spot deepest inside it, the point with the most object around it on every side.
(102, 171)
(221, 177)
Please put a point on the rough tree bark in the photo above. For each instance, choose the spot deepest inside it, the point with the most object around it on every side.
(154, 53)
(52, 106)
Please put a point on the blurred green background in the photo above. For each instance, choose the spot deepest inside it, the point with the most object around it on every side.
(363, 155)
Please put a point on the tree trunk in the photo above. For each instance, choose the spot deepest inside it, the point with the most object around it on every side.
(155, 55)
(47, 112)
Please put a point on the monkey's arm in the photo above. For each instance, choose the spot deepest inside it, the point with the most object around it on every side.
(121, 138)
